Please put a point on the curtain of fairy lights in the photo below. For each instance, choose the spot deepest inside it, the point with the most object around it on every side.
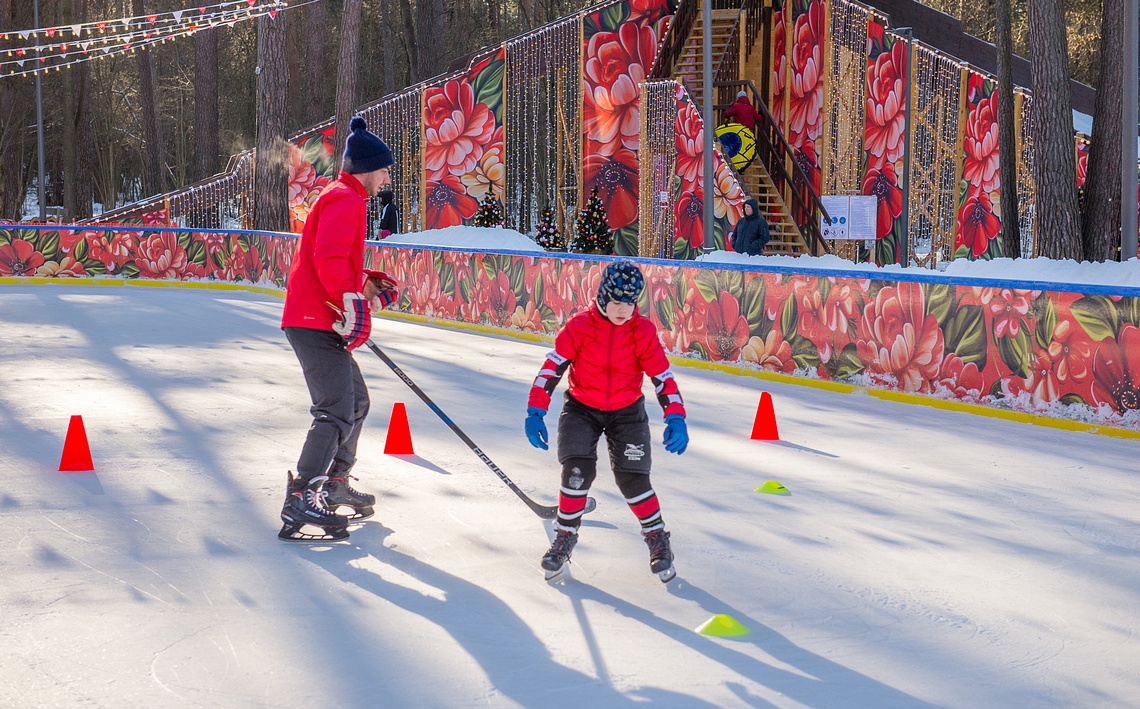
(1026, 187)
(845, 106)
(542, 127)
(658, 158)
(934, 155)
(397, 121)
(220, 203)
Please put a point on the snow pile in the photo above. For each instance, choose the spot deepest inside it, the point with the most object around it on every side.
(467, 237)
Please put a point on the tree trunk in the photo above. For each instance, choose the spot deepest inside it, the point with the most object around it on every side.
(153, 155)
(315, 60)
(1101, 218)
(348, 73)
(205, 104)
(1058, 228)
(388, 83)
(410, 41)
(16, 105)
(1007, 145)
(429, 33)
(271, 172)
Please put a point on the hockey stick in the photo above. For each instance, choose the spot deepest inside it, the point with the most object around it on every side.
(543, 511)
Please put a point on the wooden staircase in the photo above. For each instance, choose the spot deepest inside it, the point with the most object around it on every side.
(772, 178)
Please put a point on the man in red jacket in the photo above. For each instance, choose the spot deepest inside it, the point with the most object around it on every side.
(608, 350)
(328, 303)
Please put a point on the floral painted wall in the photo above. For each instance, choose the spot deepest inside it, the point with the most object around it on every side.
(159, 253)
(311, 167)
(884, 138)
(805, 84)
(1063, 354)
(779, 85)
(728, 197)
(620, 47)
(979, 205)
(463, 143)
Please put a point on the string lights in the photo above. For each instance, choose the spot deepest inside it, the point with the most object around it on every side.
(54, 48)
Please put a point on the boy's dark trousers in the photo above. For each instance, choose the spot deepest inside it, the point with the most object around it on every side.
(340, 401)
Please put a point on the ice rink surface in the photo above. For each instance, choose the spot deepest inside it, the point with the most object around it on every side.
(925, 558)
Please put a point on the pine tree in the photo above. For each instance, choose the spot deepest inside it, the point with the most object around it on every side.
(547, 235)
(593, 233)
(490, 211)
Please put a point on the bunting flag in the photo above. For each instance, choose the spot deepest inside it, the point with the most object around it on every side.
(57, 47)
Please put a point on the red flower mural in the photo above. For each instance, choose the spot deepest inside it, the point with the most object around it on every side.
(616, 177)
(1008, 309)
(19, 258)
(689, 217)
(616, 62)
(773, 353)
(886, 106)
(882, 183)
(977, 223)
(690, 141)
(806, 104)
(960, 378)
(726, 330)
(455, 129)
(899, 339)
(1116, 370)
(448, 203)
(779, 66)
(160, 256)
(980, 144)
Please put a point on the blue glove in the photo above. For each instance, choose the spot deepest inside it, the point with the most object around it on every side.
(536, 427)
(676, 434)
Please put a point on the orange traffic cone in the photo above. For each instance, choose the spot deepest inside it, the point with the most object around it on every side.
(764, 429)
(399, 441)
(76, 451)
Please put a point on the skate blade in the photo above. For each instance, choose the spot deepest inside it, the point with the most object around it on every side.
(551, 575)
(293, 533)
(667, 575)
(359, 515)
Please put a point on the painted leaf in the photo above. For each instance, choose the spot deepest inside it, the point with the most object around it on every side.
(1046, 320)
(788, 319)
(1014, 352)
(846, 364)
(626, 241)
(706, 282)
(752, 301)
(48, 245)
(965, 335)
(940, 301)
(1097, 315)
(804, 352)
(488, 87)
(611, 19)
(79, 253)
(94, 267)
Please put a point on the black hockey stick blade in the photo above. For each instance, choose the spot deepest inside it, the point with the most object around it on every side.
(543, 511)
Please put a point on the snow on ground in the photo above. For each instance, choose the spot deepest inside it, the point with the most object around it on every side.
(1036, 270)
(925, 558)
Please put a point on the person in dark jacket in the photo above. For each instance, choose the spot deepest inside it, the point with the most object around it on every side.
(389, 215)
(750, 235)
(743, 112)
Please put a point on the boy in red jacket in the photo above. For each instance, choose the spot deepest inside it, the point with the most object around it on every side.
(608, 350)
(328, 270)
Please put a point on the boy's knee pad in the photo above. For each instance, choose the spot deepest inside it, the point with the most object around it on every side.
(632, 485)
(579, 473)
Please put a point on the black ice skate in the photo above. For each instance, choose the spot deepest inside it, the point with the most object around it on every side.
(338, 493)
(555, 560)
(660, 555)
(304, 505)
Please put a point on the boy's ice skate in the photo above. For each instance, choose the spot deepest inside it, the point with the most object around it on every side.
(338, 493)
(660, 555)
(304, 505)
(559, 554)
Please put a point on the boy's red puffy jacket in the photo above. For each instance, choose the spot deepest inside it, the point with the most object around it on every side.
(607, 364)
(329, 260)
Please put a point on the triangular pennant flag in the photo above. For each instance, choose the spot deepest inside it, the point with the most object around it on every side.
(202, 10)
(43, 59)
(251, 2)
(20, 52)
(76, 29)
(152, 18)
(20, 62)
(101, 25)
(178, 15)
(147, 35)
(126, 22)
(25, 33)
(50, 31)
(63, 48)
(85, 45)
(272, 14)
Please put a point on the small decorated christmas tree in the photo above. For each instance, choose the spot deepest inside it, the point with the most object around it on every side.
(547, 235)
(490, 211)
(593, 233)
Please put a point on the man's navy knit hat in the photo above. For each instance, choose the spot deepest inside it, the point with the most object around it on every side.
(621, 281)
(364, 151)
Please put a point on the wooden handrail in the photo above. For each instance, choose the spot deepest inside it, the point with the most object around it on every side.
(776, 153)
